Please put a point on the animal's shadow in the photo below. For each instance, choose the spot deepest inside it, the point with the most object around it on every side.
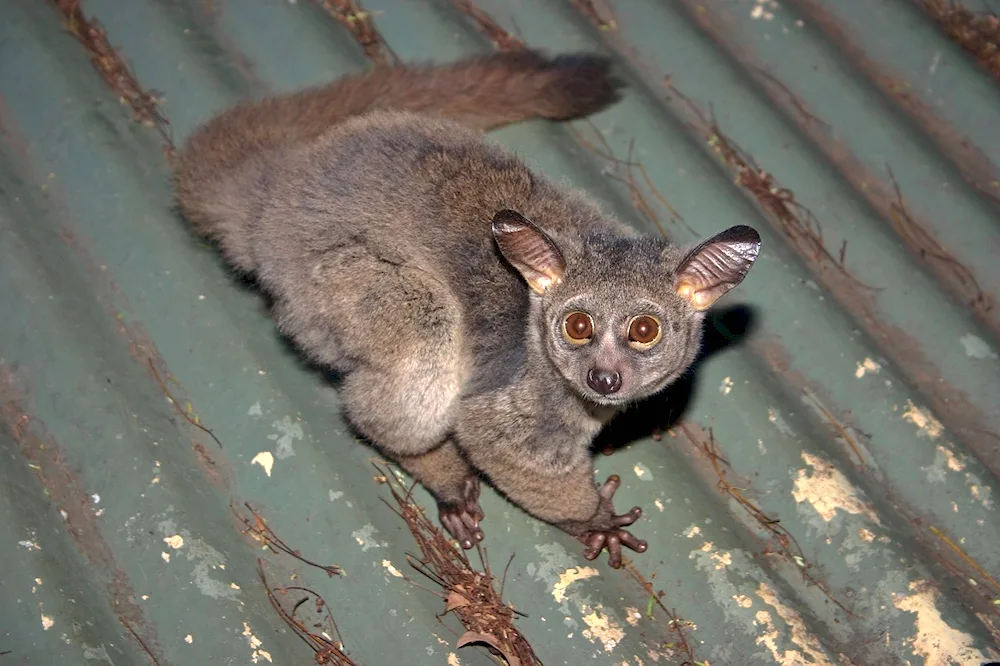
(723, 328)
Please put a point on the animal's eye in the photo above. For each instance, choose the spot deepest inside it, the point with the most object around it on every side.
(643, 331)
(578, 328)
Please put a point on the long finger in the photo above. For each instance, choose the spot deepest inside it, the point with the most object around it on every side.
(628, 518)
(638, 545)
(595, 544)
(457, 529)
(607, 491)
(614, 546)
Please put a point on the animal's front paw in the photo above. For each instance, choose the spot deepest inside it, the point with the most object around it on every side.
(461, 518)
(609, 533)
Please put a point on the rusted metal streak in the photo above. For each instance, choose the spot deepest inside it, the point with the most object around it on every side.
(980, 594)
(976, 32)
(112, 68)
(353, 16)
(972, 163)
(952, 407)
(502, 40)
(64, 490)
(880, 195)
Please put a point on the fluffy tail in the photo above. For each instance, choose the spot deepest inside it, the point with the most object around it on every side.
(482, 92)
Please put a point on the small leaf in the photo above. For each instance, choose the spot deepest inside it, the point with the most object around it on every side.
(456, 600)
(473, 637)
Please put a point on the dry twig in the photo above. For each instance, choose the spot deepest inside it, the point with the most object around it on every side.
(470, 594)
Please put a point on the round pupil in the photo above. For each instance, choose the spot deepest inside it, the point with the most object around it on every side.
(643, 329)
(579, 326)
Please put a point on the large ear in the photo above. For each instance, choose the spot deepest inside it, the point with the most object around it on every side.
(528, 249)
(717, 265)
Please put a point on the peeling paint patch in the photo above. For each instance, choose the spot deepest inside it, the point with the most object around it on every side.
(722, 559)
(692, 531)
(453, 659)
(801, 637)
(265, 459)
(642, 472)
(165, 556)
(980, 492)
(391, 569)
(189, 639)
(926, 424)
(30, 545)
(866, 535)
(47, 622)
(944, 459)
(774, 417)
(867, 366)
(336, 495)
(602, 628)
(255, 645)
(938, 642)
(727, 386)
(288, 432)
(366, 537)
(976, 347)
(206, 559)
(632, 616)
(742, 600)
(255, 410)
(176, 541)
(659, 505)
(568, 577)
(828, 490)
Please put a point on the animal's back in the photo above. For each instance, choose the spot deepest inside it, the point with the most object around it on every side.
(393, 194)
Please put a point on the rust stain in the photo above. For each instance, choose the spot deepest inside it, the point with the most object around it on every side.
(882, 196)
(361, 25)
(958, 413)
(65, 491)
(112, 68)
(502, 40)
(974, 165)
(597, 12)
(976, 32)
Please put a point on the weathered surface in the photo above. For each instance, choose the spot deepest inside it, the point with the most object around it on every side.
(850, 389)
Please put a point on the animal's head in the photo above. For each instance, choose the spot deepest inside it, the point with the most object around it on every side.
(621, 317)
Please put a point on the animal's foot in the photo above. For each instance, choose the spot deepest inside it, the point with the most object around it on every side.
(461, 518)
(607, 531)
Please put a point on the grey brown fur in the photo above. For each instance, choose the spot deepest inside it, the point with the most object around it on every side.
(434, 272)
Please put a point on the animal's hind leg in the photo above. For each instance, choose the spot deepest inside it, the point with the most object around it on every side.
(455, 486)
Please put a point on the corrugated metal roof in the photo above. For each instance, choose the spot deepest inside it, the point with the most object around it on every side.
(850, 391)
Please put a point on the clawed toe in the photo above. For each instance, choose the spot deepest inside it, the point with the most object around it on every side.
(461, 519)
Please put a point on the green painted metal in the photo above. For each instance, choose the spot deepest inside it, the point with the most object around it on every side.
(864, 419)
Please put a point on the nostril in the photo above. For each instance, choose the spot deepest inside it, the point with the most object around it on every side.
(604, 381)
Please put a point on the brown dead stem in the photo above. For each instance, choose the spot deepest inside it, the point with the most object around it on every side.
(502, 40)
(112, 68)
(354, 17)
(626, 175)
(140, 641)
(326, 642)
(470, 594)
(188, 414)
(602, 18)
(930, 249)
(795, 220)
(787, 545)
(675, 623)
(976, 32)
(260, 531)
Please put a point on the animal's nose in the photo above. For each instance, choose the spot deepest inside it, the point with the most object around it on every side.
(604, 381)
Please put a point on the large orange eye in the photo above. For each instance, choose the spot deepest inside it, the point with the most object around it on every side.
(578, 328)
(643, 331)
